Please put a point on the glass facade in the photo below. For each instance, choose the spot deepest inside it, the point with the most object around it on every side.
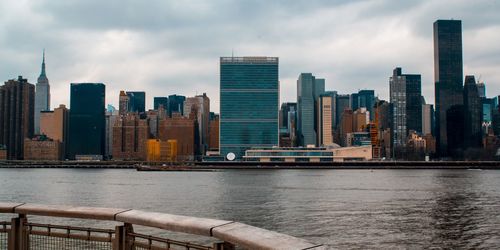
(448, 75)
(249, 104)
(87, 119)
(176, 104)
(160, 101)
(366, 99)
(308, 91)
(137, 101)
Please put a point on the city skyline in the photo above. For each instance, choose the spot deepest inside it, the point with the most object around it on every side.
(352, 52)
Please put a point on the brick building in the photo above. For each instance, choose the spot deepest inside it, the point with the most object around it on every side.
(183, 130)
(42, 148)
(130, 135)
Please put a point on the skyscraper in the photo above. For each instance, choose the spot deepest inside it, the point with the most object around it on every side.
(308, 91)
(428, 119)
(124, 103)
(448, 75)
(176, 104)
(406, 98)
(87, 120)
(366, 99)
(249, 104)
(137, 101)
(160, 101)
(472, 115)
(42, 96)
(325, 136)
(200, 104)
(17, 104)
(481, 88)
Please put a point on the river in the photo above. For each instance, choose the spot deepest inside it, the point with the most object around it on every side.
(346, 209)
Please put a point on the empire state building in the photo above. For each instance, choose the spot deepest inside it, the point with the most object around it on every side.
(42, 96)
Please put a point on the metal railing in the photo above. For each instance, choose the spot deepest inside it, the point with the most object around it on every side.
(23, 235)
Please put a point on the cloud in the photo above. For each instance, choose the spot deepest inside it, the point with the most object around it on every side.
(173, 47)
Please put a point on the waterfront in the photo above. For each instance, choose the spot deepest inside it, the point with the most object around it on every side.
(342, 208)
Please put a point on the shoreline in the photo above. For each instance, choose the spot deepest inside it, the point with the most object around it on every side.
(207, 166)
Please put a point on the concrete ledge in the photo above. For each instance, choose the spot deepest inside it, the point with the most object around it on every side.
(8, 207)
(95, 213)
(256, 238)
(176, 223)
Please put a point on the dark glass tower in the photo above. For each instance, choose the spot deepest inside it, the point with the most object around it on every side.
(366, 99)
(137, 101)
(176, 104)
(249, 104)
(160, 101)
(309, 88)
(448, 75)
(472, 115)
(87, 119)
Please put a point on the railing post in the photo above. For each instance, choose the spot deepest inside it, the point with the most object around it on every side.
(122, 240)
(223, 246)
(18, 237)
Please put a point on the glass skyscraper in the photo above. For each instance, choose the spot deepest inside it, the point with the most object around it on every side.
(448, 75)
(137, 101)
(157, 101)
(87, 120)
(176, 104)
(308, 91)
(249, 104)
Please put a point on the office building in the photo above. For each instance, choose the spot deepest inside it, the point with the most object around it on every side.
(42, 96)
(481, 89)
(176, 104)
(361, 119)
(183, 130)
(343, 102)
(42, 148)
(366, 99)
(87, 133)
(448, 75)
(200, 105)
(54, 125)
(249, 104)
(346, 126)
(325, 135)
(157, 101)
(17, 104)
(427, 119)
(472, 115)
(308, 91)
(406, 99)
(137, 101)
(213, 142)
(111, 116)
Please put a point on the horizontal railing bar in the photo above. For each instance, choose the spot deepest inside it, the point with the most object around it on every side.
(147, 246)
(71, 236)
(72, 228)
(166, 241)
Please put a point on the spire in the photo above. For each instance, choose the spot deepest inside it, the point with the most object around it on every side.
(43, 64)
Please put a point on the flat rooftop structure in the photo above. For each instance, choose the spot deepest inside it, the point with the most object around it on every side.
(249, 60)
(308, 154)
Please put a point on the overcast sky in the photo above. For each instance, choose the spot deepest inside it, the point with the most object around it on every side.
(173, 47)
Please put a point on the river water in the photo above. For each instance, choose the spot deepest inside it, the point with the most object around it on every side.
(346, 209)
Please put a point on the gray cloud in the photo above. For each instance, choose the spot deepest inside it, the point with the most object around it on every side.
(172, 47)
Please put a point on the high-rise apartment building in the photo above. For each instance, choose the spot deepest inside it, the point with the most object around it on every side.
(325, 135)
(42, 96)
(343, 102)
(17, 104)
(448, 75)
(124, 103)
(130, 136)
(406, 98)
(472, 115)
(87, 120)
(249, 104)
(183, 130)
(308, 91)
